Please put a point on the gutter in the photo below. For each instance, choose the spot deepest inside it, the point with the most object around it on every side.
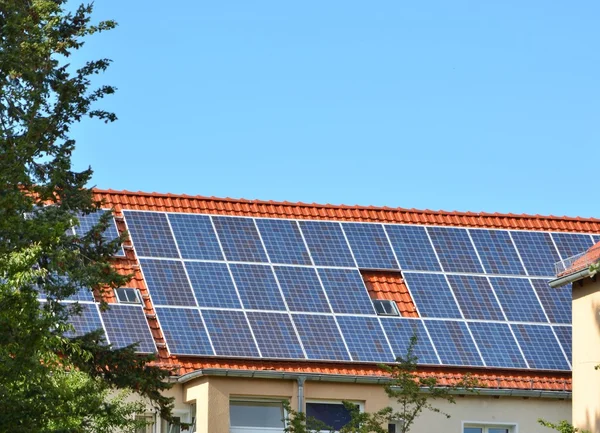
(558, 282)
(378, 380)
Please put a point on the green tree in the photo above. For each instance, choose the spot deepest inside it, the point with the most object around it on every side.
(562, 426)
(48, 381)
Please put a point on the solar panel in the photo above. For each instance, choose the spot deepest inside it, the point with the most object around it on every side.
(150, 234)
(518, 299)
(556, 301)
(257, 287)
(212, 285)
(453, 342)
(230, 333)
(497, 345)
(413, 248)
(184, 331)
(86, 222)
(565, 336)
(320, 337)
(370, 246)
(195, 236)
(126, 325)
(432, 295)
(167, 282)
(302, 289)
(346, 291)
(365, 339)
(399, 331)
(537, 251)
(82, 295)
(283, 241)
(540, 347)
(570, 244)
(497, 252)
(475, 297)
(275, 335)
(240, 239)
(455, 250)
(85, 322)
(327, 244)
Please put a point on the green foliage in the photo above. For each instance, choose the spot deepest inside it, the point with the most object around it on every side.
(49, 382)
(562, 427)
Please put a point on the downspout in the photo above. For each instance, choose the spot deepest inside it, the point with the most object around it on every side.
(301, 380)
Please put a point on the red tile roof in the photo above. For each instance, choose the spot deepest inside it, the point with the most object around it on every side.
(583, 261)
(382, 285)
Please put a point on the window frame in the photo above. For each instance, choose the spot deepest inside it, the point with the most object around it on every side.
(246, 429)
(359, 403)
(512, 427)
(138, 298)
(394, 313)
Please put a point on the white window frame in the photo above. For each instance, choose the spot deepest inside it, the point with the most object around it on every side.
(512, 427)
(138, 299)
(360, 404)
(237, 429)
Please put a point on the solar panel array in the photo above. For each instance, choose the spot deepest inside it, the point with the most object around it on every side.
(286, 289)
(86, 222)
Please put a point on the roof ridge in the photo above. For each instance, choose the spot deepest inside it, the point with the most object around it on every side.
(346, 207)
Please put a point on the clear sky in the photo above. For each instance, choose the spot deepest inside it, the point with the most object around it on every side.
(456, 105)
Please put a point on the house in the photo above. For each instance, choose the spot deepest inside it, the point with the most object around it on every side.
(255, 302)
(575, 270)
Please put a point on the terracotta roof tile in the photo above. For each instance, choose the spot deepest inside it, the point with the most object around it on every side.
(390, 285)
(582, 261)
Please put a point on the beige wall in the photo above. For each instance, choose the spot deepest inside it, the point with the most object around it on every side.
(586, 354)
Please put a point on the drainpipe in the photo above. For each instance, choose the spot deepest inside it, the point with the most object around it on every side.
(301, 380)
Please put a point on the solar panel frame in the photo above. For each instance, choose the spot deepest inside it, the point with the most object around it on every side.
(86, 222)
(365, 339)
(570, 244)
(151, 234)
(497, 345)
(327, 243)
(475, 297)
(454, 249)
(195, 236)
(565, 337)
(257, 287)
(369, 245)
(399, 331)
(212, 285)
(88, 321)
(556, 301)
(240, 239)
(412, 248)
(184, 331)
(321, 337)
(230, 333)
(518, 299)
(167, 283)
(439, 303)
(346, 291)
(537, 251)
(540, 347)
(283, 241)
(275, 335)
(497, 252)
(453, 343)
(302, 289)
(126, 325)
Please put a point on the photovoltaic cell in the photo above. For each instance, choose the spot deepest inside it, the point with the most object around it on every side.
(370, 246)
(497, 252)
(537, 251)
(126, 325)
(455, 250)
(283, 241)
(195, 236)
(413, 248)
(453, 342)
(87, 321)
(230, 333)
(556, 301)
(212, 285)
(257, 287)
(86, 222)
(475, 297)
(432, 295)
(365, 339)
(518, 299)
(302, 289)
(150, 234)
(240, 239)
(400, 330)
(82, 295)
(320, 337)
(167, 283)
(497, 345)
(346, 291)
(326, 243)
(570, 244)
(275, 335)
(540, 347)
(184, 331)
(565, 336)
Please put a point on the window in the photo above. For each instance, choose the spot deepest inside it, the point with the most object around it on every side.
(333, 414)
(127, 295)
(488, 428)
(385, 307)
(149, 423)
(256, 416)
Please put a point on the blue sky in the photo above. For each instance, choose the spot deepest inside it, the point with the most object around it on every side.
(453, 105)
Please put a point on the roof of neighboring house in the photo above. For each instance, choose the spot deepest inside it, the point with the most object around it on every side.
(381, 285)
